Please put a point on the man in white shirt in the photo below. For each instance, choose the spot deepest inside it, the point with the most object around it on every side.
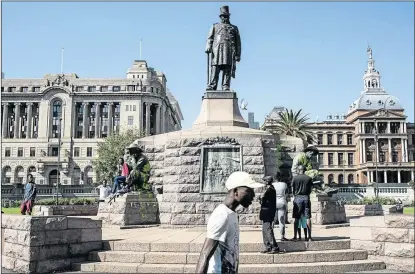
(281, 191)
(104, 191)
(220, 252)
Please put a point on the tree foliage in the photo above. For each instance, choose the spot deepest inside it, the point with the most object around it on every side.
(111, 150)
(294, 124)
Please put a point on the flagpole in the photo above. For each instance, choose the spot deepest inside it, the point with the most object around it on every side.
(62, 60)
(141, 39)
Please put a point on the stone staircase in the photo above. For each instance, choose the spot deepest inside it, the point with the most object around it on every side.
(326, 256)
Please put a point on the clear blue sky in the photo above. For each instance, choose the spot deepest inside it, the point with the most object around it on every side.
(309, 56)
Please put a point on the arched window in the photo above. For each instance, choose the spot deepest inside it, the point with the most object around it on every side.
(151, 89)
(341, 179)
(54, 177)
(7, 175)
(350, 179)
(330, 178)
(89, 175)
(19, 175)
(76, 175)
(56, 116)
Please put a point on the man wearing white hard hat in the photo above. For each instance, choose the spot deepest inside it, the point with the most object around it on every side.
(220, 252)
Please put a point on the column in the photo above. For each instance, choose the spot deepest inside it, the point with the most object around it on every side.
(110, 114)
(406, 150)
(162, 109)
(148, 119)
(158, 110)
(412, 175)
(84, 118)
(399, 176)
(388, 130)
(17, 120)
(364, 152)
(404, 127)
(140, 116)
(29, 120)
(97, 120)
(5, 124)
(403, 150)
(390, 149)
(385, 176)
(369, 176)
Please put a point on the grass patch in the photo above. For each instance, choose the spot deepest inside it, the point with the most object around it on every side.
(409, 210)
(11, 210)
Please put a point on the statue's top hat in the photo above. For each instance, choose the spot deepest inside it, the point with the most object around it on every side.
(224, 11)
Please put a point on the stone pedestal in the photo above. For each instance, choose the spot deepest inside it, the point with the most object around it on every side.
(134, 208)
(326, 210)
(220, 108)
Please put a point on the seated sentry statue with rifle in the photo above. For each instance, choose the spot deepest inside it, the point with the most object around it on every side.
(139, 172)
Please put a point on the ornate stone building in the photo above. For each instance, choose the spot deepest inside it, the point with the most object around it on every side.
(373, 135)
(82, 111)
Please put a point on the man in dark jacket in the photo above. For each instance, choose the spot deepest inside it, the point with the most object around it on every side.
(267, 215)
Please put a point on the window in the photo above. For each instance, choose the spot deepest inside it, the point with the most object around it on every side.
(394, 156)
(116, 88)
(134, 108)
(7, 152)
(329, 139)
(54, 151)
(331, 159)
(350, 159)
(12, 89)
(92, 89)
(339, 139)
(89, 152)
(24, 89)
(127, 107)
(349, 139)
(79, 89)
(36, 89)
(340, 159)
(19, 152)
(130, 88)
(76, 152)
(32, 152)
(321, 159)
(381, 156)
(369, 156)
(2, 89)
(56, 116)
(130, 120)
(369, 127)
(413, 139)
(104, 88)
(319, 139)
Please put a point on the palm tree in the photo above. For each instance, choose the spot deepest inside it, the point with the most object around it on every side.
(294, 124)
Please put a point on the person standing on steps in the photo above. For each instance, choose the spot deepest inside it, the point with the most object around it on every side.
(220, 252)
(302, 186)
(281, 191)
(267, 216)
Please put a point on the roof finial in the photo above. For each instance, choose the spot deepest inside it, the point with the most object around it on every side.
(369, 51)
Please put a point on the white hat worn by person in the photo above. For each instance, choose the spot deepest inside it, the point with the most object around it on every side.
(241, 178)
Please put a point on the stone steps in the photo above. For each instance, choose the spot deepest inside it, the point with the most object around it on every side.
(316, 267)
(245, 258)
(179, 247)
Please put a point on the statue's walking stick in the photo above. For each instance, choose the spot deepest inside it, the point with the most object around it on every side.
(208, 67)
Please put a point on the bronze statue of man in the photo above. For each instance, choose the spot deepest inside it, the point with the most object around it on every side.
(224, 46)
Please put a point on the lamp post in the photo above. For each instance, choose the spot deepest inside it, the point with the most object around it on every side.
(376, 161)
(59, 160)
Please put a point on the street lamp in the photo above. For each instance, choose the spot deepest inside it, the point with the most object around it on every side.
(59, 160)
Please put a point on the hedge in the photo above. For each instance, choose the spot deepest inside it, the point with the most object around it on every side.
(61, 201)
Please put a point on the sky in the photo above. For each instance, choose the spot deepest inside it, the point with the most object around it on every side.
(309, 56)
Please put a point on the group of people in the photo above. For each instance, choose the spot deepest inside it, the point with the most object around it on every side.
(274, 208)
(220, 251)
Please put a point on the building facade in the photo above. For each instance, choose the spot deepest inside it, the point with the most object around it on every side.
(80, 112)
(371, 143)
(251, 121)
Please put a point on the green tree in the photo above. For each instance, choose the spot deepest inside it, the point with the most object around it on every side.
(111, 150)
(294, 124)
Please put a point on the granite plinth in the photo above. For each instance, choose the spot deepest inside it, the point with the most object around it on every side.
(133, 208)
(326, 210)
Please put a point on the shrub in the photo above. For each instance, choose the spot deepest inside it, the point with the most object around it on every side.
(67, 201)
(372, 201)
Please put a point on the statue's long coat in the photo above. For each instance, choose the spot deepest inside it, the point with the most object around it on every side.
(225, 42)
